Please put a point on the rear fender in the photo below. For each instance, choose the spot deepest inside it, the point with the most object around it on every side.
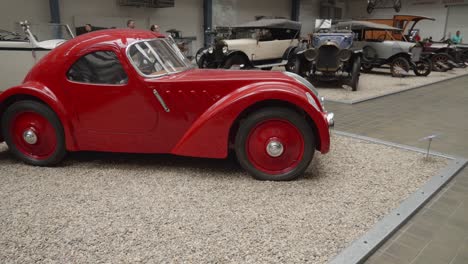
(209, 135)
(37, 91)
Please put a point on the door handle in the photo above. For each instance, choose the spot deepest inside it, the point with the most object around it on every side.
(161, 101)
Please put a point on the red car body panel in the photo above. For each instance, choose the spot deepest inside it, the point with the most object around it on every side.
(204, 104)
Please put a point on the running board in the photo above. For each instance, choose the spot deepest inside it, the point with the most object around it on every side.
(282, 63)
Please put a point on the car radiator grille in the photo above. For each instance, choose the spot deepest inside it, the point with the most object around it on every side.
(327, 58)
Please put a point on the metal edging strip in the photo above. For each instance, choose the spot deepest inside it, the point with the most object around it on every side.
(361, 248)
(351, 102)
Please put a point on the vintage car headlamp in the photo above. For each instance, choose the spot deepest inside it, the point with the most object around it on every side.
(210, 50)
(225, 49)
(344, 54)
(310, 54)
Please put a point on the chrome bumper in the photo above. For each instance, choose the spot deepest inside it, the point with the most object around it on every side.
(331, 119)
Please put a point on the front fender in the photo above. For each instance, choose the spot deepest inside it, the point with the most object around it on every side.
(231, 53)
(209, 135)
(41, 92)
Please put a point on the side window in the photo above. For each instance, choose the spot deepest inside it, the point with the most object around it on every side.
(100, 67)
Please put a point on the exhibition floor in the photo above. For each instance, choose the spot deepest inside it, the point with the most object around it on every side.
(438, 233)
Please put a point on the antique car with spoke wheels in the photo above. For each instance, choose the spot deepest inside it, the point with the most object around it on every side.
(379, 48)
(261, 44)
(330, 57)
(133, 91)
(27, 47)
(443, 54)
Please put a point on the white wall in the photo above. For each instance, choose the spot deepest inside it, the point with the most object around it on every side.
(308, 13)
(36, 11)
(232, 12)
(357, 9)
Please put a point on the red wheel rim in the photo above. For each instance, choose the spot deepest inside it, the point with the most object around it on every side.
(43, 131)
(269, 133)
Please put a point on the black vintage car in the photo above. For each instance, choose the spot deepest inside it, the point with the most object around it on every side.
(261, 44)
(330, 56)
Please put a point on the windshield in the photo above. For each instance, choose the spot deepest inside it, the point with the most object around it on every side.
(157, 57)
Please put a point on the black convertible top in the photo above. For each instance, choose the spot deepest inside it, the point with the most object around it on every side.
(272, 23)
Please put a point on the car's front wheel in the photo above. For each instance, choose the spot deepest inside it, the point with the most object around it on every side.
(275, 144)
(354, 80)
(236, 62)
(399, 67)
(33, 133)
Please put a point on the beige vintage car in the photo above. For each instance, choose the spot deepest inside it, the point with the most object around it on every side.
(261, 44)
(20, 51)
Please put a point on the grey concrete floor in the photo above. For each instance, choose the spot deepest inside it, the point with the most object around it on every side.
(438, 233)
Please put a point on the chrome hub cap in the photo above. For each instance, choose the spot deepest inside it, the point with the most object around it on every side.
(274, 148)
(30, 137)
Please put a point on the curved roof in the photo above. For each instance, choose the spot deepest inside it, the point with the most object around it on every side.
(272, 23)
(123, 36)
(364, 25)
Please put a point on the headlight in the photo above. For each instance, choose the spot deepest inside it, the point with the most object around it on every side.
(344, 55)
(225, 49)
(310, 54)
(210, 50)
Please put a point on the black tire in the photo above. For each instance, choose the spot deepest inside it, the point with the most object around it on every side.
(366, 67)
(399, 67)
(46, 114)
(355, 74)
(370, 6)
(201, 62)
(270, 114)
(293, 65)
(236, 60)
(397, 5)
(422, 67)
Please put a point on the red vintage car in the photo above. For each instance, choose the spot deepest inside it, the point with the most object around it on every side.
(133, 91)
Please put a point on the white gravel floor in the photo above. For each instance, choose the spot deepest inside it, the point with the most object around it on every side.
(380, 82)
(151, 208)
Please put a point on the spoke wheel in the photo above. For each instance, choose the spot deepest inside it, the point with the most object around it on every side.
(399, 67)
(441, 60)
(33, 133)
(423, 67)
(275, 144)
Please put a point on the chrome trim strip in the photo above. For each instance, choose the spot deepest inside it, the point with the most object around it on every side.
(161, 101)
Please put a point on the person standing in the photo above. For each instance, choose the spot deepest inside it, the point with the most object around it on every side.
(155, 28)
(88, 28)
(131, 24)
(457, 39)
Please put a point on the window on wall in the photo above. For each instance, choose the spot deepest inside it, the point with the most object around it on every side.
(100, 67)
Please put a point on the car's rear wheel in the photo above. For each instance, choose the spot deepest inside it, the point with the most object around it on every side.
(422, 67)
(399, 67)
(275, 144)
(442, 60)
(236, 62)
(33, 133)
